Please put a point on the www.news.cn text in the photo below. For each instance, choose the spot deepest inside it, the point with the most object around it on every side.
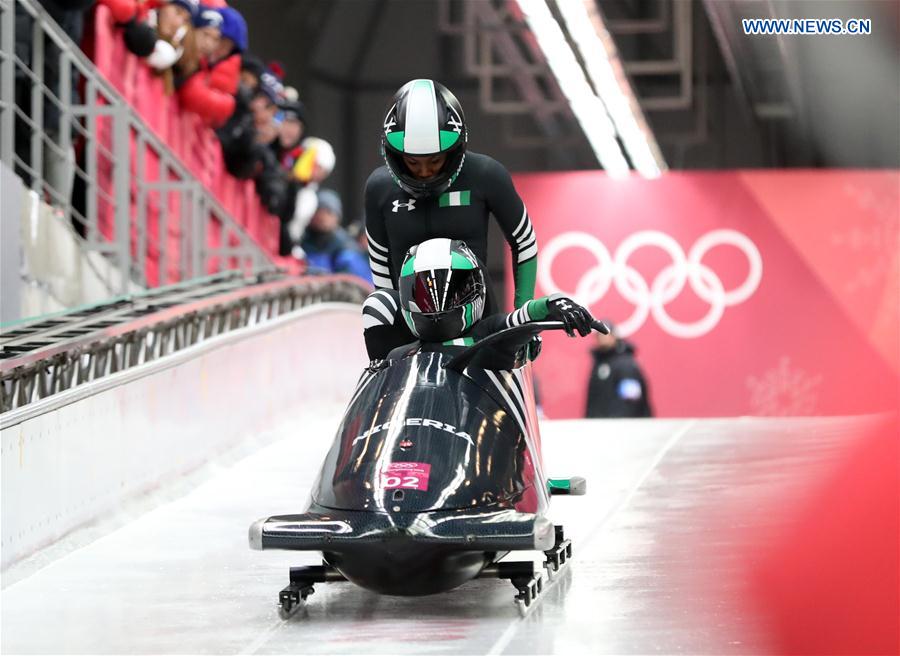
(811, 26)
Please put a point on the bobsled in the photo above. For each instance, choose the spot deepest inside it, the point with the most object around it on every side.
(434, 476)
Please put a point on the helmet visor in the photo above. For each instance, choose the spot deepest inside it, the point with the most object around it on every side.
(440, 290)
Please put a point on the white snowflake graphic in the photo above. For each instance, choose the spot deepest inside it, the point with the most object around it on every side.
(784, 391)
(876, 233)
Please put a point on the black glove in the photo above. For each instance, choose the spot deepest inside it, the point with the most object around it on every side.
(571, 314)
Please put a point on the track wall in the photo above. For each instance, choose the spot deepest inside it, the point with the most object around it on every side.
(70, 459)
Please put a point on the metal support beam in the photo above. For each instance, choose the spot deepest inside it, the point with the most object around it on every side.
(37, 105)
(121, 193)
(682, 63)
(656, 25)
(7, 81)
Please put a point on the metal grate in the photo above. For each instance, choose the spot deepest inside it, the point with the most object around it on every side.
(45, 357)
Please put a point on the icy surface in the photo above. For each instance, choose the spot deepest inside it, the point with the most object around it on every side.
(181, 578)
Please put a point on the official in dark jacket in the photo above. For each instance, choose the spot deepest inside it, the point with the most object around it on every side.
(617, 387)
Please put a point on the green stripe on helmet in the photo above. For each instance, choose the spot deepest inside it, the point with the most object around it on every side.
(396, 139)
(448, 138)
(460, 261)
(468, 317)
(409, 267)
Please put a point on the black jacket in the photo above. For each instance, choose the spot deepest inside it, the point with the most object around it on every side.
(238, 138)
(617, 387)
(395, 221)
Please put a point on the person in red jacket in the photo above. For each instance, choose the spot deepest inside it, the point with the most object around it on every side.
(204, 93)
(226, 58)
(207, 31)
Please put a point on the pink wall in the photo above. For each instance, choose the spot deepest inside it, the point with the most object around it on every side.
(792, 310)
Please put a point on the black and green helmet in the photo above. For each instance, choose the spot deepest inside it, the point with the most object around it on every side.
(441, 289)
(424, 119)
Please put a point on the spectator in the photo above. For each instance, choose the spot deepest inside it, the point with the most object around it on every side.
(327, 247)
(207, 31)
(226, 59)
(171, 18)
(156, 31)
(233, 37)
(238, 135)
(316, 161)
(617, 387)
(357, 230)
(271, 182)
(291, 131)
(201, 50)
(202, 92)
(265, 107)
(315, 164)
(252, 69)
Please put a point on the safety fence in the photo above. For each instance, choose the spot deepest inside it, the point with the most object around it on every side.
(183, 132)
(50, 355)
(77, 141)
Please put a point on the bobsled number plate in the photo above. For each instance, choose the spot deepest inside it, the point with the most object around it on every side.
(406, 476)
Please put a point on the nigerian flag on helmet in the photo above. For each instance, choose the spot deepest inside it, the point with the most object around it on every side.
(425, 120)
(441, 289)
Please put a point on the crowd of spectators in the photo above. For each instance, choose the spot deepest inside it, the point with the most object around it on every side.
(201, 51)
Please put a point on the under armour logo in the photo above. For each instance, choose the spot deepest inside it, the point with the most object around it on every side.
(563, 305)
(455, 122)
(390, 119)
(410, 206)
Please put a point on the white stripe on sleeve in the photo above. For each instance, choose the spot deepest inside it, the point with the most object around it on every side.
(377, 305)
(382, 281)
(388, 299)
(528, 253)
(379, 268)
(375, 255)
(522, 222)
(527, 236)
(374, 243)
(370, 322)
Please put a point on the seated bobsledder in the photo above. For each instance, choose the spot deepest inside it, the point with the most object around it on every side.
(435, 474)
(442, 298)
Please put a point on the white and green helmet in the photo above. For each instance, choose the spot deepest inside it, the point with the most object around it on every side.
(424, 119)
(441, 289)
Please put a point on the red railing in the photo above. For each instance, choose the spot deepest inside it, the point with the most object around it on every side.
(194, 144)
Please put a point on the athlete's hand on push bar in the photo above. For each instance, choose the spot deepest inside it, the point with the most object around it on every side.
(599, 326)
(573, 316)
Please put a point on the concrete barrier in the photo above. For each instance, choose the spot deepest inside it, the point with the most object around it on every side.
(71, 458)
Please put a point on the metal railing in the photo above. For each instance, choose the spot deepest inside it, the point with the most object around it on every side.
(130, 186)
(50, 355)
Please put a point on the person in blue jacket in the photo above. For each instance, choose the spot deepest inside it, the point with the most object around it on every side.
(328, 247)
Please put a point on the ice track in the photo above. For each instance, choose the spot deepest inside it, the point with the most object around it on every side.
(181, 579)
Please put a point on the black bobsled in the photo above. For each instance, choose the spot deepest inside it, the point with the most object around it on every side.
(435, 474)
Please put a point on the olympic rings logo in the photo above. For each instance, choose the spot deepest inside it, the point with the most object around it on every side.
(652, 298)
